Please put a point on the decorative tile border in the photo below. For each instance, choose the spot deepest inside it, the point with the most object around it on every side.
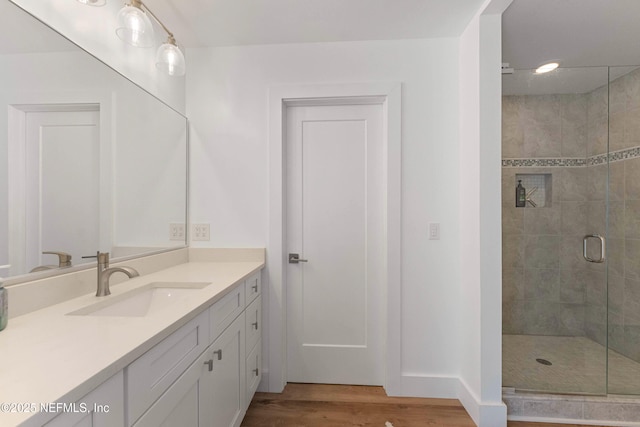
(615, 156)
(539, 163)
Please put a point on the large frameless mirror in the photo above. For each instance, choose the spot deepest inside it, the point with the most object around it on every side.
(89, 160)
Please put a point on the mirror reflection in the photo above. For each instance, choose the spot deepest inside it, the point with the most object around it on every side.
(90, 161)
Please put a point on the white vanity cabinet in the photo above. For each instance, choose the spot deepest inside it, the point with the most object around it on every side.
(103, 407)
(211, 388)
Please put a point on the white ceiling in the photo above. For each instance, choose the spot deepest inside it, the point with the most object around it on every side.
(574, 32)
(199, 23)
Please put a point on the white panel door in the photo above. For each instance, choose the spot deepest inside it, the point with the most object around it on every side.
(335, 221)
(62, 191)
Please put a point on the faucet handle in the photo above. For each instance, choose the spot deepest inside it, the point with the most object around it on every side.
(102, 258)
(64, 259)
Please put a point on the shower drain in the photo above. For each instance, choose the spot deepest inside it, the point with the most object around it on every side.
(544, 362)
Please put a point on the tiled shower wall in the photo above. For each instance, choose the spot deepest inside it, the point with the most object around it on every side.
(544, 281)
(548, 288)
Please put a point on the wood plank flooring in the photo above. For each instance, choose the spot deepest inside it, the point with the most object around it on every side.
(324, 405)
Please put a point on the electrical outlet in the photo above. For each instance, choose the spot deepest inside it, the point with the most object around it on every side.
(176, 231)
(200, 232)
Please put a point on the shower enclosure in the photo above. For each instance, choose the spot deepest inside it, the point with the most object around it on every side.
(571, 256)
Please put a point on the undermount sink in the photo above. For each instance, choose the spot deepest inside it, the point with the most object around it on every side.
(141, 301)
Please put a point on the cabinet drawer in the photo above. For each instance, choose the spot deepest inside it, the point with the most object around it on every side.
(253, 327)
(254, 371)
(152, 373)
(223, 312)
(253, 286)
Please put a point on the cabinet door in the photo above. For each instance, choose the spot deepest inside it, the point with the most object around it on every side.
(103, 407)
(254, 371)
(178, 406)
(223, 404)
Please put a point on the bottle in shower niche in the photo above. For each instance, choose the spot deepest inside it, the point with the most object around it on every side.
(521, 195)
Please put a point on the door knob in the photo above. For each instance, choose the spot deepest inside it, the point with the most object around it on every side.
(295, 259)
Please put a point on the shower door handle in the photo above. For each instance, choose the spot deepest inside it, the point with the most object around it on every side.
(603, 248)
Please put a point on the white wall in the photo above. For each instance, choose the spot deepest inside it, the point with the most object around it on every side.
(480, 217)
(227, 105)
(93, 29)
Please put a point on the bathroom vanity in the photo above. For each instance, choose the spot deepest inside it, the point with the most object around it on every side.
(192, 357)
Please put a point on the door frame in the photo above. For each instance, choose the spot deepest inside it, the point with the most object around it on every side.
(19, 105)
(389, 95)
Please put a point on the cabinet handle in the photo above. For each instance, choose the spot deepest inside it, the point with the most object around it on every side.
(210, 363)
(255, 325)
(255, 288)
(257, 371)
(219, 353)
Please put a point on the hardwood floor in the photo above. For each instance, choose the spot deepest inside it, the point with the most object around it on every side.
(323, 405)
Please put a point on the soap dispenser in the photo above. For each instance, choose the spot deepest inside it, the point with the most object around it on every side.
(521, 195)
(4, 309)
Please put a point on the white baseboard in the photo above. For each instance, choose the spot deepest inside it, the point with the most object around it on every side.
(438, 387)
(487, 414)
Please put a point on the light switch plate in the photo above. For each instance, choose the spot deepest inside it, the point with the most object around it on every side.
(200, 232)
(434, 231)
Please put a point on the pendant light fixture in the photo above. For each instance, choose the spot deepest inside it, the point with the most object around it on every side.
(134, 26)
(170, 59)
(136, 29)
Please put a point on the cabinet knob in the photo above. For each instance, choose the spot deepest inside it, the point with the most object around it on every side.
(255, 325)
(210, 363)
(219, 353)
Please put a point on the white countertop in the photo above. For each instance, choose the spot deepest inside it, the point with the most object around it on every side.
(48, 356)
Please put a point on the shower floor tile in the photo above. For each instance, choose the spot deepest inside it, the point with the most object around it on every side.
(578, 365)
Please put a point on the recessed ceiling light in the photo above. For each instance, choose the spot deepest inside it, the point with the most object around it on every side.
(545, 68)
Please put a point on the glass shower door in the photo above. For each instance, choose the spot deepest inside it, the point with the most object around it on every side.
(555, 145)
(623, 297)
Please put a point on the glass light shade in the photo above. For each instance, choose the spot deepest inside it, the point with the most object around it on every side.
(93, 2)
(170, 60)
(134, 27)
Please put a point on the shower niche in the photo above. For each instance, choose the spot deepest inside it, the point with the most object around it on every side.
(538, 189)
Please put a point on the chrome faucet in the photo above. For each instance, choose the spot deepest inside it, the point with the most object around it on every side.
(105, 272)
